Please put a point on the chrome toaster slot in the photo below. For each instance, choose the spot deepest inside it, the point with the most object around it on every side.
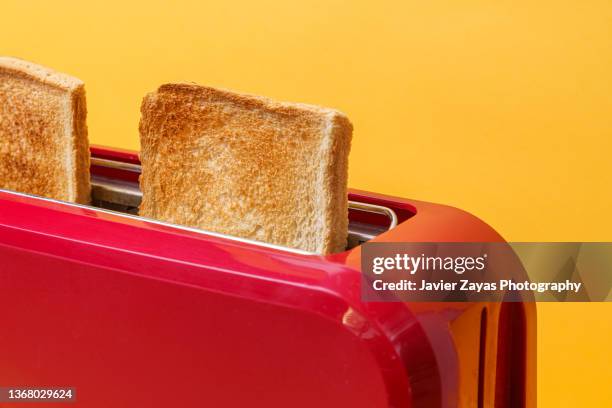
(124, 196)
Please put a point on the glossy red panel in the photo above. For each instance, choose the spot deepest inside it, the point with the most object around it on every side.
(134, 313)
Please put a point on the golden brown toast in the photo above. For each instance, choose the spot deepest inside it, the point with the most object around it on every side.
(43, 134)
(246, 166)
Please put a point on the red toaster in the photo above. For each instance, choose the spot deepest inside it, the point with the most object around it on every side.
(133, 312)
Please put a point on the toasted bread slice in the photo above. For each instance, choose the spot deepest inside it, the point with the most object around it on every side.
(246, 166)
(43, 134)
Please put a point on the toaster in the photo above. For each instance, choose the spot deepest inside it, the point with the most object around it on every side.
(134, 312)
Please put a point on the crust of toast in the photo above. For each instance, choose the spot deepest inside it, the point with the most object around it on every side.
(44, 148)
(246, 165)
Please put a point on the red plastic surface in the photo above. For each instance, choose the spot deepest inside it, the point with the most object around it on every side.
(136, 314)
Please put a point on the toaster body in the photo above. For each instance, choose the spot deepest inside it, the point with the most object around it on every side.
(132, 312)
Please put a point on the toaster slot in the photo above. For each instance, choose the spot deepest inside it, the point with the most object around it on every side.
(123, 194)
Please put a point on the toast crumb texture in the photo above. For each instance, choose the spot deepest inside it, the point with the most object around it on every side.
(43, 133)
(246, 166)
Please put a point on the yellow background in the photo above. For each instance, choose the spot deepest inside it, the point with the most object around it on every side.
(502, 108)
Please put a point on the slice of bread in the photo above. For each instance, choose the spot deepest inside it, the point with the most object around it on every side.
(246, 166)
(43, 134)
